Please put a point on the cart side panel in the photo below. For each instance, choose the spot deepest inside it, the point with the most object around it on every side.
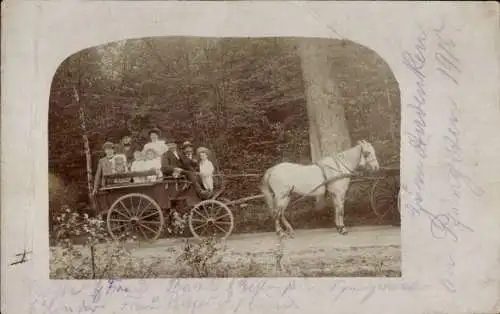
(158, 192)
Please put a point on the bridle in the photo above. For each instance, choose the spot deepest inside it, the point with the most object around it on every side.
(364, 154)
(339, 159)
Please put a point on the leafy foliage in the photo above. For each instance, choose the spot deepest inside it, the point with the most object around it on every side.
(101, 255)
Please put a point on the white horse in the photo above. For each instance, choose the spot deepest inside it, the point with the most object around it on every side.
(284, 179)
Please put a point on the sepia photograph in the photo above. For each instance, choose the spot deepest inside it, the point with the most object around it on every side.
(249, 157)
(184, 157)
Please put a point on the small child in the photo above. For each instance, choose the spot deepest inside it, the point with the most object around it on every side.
(153, 161)
(121, 167)
(206, 169)
(138, 165)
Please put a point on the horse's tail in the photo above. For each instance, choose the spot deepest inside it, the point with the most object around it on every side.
(266, 189)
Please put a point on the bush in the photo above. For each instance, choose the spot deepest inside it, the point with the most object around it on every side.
(90, 260)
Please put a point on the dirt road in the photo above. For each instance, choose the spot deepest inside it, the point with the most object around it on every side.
(312, 238)
(365, 251)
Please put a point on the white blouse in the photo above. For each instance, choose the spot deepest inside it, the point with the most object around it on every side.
(206, 173)
(159, 146)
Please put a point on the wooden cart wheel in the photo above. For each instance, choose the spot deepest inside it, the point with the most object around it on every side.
(211, 218)
(384, 196)
(137, 214)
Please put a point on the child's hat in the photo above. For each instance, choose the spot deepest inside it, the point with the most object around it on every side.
(107, 145)
(202, 150)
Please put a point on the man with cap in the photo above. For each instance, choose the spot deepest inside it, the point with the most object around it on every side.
(126, 147)
(158, 145)
(188, 151)
(105, 165)
(173, 164)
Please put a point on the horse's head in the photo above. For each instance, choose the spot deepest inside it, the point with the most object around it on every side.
(368, 157)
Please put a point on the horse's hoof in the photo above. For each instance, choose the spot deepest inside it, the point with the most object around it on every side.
(342, 230)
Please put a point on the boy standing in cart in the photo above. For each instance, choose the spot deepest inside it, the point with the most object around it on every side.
(105, 166)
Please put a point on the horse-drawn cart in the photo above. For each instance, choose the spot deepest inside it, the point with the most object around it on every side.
(142, 209)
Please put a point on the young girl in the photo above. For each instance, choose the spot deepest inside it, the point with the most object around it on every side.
(138, 165)
(206, 169)
(120, 161)
(153, 162)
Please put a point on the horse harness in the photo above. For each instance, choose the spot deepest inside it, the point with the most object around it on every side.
(323, 171)
(325, 178)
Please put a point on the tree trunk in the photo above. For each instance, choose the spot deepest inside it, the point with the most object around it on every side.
(328, 131)
(86, 145)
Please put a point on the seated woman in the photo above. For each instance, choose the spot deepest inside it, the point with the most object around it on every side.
(153, 162)
(206, 168)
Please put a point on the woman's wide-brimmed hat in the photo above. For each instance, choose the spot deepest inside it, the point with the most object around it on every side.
(108, 145)
(202, 150)
(154, 130)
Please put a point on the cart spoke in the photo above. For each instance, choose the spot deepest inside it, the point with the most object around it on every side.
(199, 220)
(216, 225)
(126, 209)
(205, 211)
(196, 211)
(120, 213)
(198, 227)
(211, 210)
(150, 215)
(218, 211)
(146, 208)
(224, 222)
(143, 210)
(227, 214)
(139, 205)
(143, 233)
(119, 220)
(132, 206)
(151, 222)
(205, 229)
(152, 230)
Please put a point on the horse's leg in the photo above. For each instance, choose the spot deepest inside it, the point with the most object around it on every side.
(338, 190)
(285, 222)
(276, 213)
(338, 203)
(279, 230)
(281, 204)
